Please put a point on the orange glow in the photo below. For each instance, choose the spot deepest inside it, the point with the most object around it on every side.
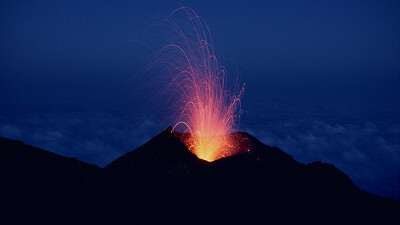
(232, 144)
(208, 108)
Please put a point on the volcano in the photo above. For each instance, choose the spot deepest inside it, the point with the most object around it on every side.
(162, 182)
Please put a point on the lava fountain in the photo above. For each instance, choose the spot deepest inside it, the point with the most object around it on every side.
(208, 103)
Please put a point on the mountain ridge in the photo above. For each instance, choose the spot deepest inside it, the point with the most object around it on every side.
(163, 182)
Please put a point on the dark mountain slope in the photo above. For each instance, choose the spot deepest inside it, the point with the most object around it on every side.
(162, 182)
(161, 154)
(263, 185)
(37, 185)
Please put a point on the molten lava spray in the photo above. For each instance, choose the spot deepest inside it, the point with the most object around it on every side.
(208, 107)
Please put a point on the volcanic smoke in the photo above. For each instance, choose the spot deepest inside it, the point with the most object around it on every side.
(208, 103)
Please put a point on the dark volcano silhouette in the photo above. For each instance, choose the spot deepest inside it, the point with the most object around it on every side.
(162, 182)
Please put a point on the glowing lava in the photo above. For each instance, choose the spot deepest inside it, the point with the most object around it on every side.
(208, 110)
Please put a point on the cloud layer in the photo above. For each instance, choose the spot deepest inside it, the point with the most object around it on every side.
(93, 137)
(364, 145)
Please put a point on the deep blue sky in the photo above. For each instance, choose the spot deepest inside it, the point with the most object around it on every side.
(322, 77)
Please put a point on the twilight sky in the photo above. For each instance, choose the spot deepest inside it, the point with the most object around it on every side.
(322, 77)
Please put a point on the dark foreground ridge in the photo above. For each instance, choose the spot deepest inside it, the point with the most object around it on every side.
(162, 182)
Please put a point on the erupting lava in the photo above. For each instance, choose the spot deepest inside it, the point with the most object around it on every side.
(208, 110)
